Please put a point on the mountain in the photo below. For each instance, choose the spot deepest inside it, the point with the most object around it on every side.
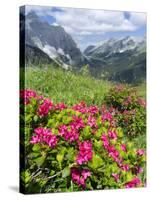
(35, 56)
(51, 40)
(122, 60)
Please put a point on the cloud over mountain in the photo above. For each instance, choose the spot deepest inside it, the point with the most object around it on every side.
(87, 22)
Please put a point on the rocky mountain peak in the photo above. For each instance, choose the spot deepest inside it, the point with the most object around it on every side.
(52, 40)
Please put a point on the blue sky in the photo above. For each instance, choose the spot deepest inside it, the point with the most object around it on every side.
(93, 26)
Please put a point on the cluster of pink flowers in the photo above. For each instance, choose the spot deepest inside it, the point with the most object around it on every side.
(133, 183)
(123, 147)
(139, 170)
(92, 122)
(93, 109)
(129, 112)
(45, 107)
(125, 167)
(105, 141)
(85, 152)
(115, 155)
(44, 135)
(60, 106)
(69, 135)
(140, 152)
(119, 88)
(112, 152)
(83, 108)
(71, 132)
(26, 95)
(116, 176)
(142, 102)
(112, 110)
(127, 101)
(79, 176)
(112, 135)
(77, 123)
(107, 117)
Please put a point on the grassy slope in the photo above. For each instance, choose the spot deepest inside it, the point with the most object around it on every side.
(66, 86)
(142, 90)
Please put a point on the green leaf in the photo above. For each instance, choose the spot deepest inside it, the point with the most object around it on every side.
(55, 131)
(52, 172)
(39, 161)
(128, 176)
(33, 101)
(33, 155)
(35, 118)
(66, 120)
(124, 154)
(70, 154)
(129, 145)
(98, 134)
(60, 155)
(59, 158)
(25, 176)
(87, 132)
(98, 144)
(96, 162)
(27, 134)
(66, 172)
(28, 119)
(120, 132)
(104, 130)
(51, 122)
(36, 148)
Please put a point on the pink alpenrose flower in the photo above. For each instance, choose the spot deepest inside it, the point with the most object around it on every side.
(123, 147)
(45, 107)
(79, 176)
(140, 152)
(133, 183)
(116, 176)
(85, 152)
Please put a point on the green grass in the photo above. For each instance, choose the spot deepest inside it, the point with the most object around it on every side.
(140, 141)
(142, 90)
(65, 86)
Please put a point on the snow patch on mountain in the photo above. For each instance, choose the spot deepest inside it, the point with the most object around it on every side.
(114, 45)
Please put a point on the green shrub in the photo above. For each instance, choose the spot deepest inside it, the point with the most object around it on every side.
(74, 148)
(128, 108)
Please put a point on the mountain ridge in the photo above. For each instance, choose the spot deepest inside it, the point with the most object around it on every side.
(52, 40)
(118, 58)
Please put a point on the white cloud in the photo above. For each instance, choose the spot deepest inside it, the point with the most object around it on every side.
(85, 22)
(40, 10)
(138, 19)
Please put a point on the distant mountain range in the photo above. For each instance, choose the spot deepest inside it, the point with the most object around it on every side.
(120, 60)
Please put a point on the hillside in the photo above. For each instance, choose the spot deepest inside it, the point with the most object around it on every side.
(68, 87)
(65, 86)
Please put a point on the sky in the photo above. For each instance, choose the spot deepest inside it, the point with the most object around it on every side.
(90, 27)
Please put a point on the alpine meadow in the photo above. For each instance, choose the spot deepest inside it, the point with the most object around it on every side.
(82, 99)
